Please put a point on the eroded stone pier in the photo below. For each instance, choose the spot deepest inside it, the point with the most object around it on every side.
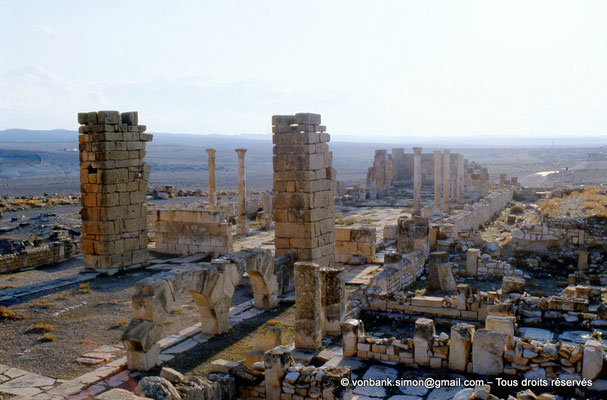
(242, 222)
(212, 188)
(113, 179)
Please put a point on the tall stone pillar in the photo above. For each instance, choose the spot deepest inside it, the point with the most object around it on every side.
(212, 189)
(438, 177)
(242, 221)
(461, 181)
(308, 328)
(446, 179)
(266, 202)
(332, 301)
(276, 363)
(303, 189)
(114, 180)
(417, 180)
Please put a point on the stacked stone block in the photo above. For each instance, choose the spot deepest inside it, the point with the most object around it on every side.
(114, 180)
(304, 189)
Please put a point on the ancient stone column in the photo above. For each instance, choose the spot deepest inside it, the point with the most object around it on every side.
(380, 171)
(303, 189)
(460, 344)
(113, 179)
(472, 261)
(308, 332)
(433, 264)
(266, 203)
(446, 179)
(332, 302)
(372, 190)
(437, 179)
(423, 339)
(398, 160)
(350, 332)
(242, 221)
(212, 189)
(460, 178)
(276, 363)
(417, 180)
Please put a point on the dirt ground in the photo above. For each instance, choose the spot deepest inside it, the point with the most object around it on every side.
(81, 318)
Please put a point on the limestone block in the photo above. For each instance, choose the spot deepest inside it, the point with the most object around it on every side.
(276, 362)
(143, 361)
(500, 324)
(511, 284)
(446, 279)
(592, 361)
(460, 344)
(488, 352)
(308, 332)
(351, 330)
(423, 338)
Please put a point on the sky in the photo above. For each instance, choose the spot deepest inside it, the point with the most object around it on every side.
(372, 69)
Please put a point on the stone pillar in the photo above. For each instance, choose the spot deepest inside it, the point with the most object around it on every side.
(437, 179)
(472, 261)
(423, 338)
(276, 363)
(488, 352)
(398, 160)
(351, 330)
(332, 302)
(405, 235)
(380, 171)
(461, 181)
(503, 180)
(303, 189)
(417, 180)
(212, 189)
(362, 193)
(372, 190)
(460, 344)
(242, 221)
(446, 179)
(435, 260)
(308, 332)
(266, 203)
(114, 180)
(421, 231)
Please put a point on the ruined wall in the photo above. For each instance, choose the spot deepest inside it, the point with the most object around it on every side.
(304, 192)
(354, 242)
(38, 256)
(462, 223)
(476, 181)
(114, 181)
(484, 352)
(554, 235)
(192, 232)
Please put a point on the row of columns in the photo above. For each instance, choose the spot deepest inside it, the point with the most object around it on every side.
(442, 178)
(242, 220)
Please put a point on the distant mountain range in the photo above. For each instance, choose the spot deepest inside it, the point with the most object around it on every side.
(29, 137)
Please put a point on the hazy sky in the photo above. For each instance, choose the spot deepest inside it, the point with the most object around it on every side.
(371, 68)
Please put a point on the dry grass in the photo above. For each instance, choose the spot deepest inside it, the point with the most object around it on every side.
(592, 200)
(43, 303)
(43, 327)
(5, 313)
(48, 337)
(119, 323)
(84, 288)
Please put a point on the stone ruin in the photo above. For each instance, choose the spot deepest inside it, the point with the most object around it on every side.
(470, 314)
(113, 179)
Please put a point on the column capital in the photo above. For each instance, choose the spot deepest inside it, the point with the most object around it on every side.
(417, 150)
(211, 152)
(240, 152)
